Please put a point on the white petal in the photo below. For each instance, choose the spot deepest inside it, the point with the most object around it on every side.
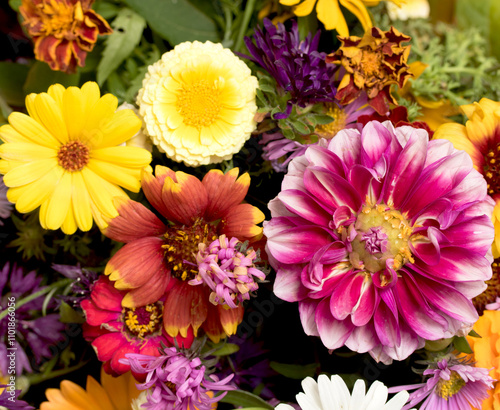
(358, 395)
(398, 401)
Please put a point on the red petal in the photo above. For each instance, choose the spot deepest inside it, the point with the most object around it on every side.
(106, 297)
(152, 187)
(148, 293)
(241, 222)
(230, 318)
(118, 367)
(106, 345)
(96, 316)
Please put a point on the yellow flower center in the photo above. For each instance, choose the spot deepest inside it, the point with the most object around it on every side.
(329, 130)
(199, 104)
(382, 233)
(491, 170)
(371, 62)
(181, 246)
(73, 156)
(447, 388)
(143, 321)
(491, 292)
(58, 18)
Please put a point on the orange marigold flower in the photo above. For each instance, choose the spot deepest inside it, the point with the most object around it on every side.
(372, 64)
(63, 31)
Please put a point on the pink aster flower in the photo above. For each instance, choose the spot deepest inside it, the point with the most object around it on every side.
(451, 386)
(115, 331)
(177, 381)
(383, 238)
(229, 273)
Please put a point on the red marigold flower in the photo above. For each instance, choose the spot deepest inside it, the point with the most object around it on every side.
(114, 330)
(372, 64)
(63, 31)
(160, 258)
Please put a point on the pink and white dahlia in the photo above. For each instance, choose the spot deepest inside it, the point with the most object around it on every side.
(383, 237)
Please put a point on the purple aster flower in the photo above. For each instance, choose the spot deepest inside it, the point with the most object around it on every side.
(451, 385)
(83, 284)
(5, 205)
(280, 150)
(8, 399)
(383, 238)
(177, 381)
(297, 66)
(228, 272)
(39, 334)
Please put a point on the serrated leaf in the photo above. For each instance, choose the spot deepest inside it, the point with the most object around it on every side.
(302, 127)
(295, 371)
(127, 32)
(226, 349)
(12, 78)
(245, 399)
(70, 315)
(462, 345)
(176, 20)
(41, 77)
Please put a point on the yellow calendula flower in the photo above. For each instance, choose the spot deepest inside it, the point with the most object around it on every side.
(113, 393)
(480, 138)
(65, 157)
(198, 103)
(330, 14)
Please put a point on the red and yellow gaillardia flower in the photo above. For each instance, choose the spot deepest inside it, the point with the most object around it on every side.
(372, 64)
(63, 31)
(66, 156)
(159, 257)
(480, 138)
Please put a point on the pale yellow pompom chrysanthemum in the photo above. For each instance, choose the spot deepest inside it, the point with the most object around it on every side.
(198, 103)
(65, 158)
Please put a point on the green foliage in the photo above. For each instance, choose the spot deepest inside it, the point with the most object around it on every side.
(246, 400)
(41, 77)
(127, 32)
(12, 78)
(462, 345)
(176, 20)
(295, 371)
(70, 315)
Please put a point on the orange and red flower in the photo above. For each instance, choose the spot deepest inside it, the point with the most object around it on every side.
(372, 64)
(158, 257)
(63, 31)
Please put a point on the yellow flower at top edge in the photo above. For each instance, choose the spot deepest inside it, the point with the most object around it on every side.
(330, 14)
(487, 352)
(113, 393)
(198, 103)
(65, 157)
(480, 138)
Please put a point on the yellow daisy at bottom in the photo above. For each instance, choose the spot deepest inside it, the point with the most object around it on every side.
(65, 157)
(198, 103)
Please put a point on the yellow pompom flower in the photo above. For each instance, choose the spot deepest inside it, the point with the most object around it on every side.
(65, 157)
(198, 103)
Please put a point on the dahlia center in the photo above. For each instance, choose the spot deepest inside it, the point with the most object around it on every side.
(371, 62)
(447, 388)
(199, 104)
(491, 170)
(181, 246)
(73, 156)
(143, 321)
(382, 233)
(339, 121)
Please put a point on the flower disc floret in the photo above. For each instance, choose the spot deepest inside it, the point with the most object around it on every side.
(198, 103)
(383, 238)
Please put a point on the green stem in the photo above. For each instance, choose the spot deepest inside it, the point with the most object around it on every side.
(27, 299)
(38, 378)
(244, 24)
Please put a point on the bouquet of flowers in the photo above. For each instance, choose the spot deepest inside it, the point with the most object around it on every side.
(250, 204)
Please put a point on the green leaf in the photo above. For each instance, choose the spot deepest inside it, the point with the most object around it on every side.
(245, 399)
(226, 349)
(12, 78)
(322, 119)
(462, 345)
(127, 32)
(302, 127)
(473, 13)
(295, 371)
(70, 315)
(41, 77)
(495, 28)
(176, 20)
(15, 4)
(106, 9)
(473, 333)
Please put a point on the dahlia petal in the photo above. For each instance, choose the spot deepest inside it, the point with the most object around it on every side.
(362, 339)
(294, 244)
(428, 249)
(307, 311)
(346, 295)
(471, 189)
(366, 184)
(95, 316)
(136, 263)
(287, 285)
(186, 198)
(294, 179)
(278, 208)
(134, 221)
(185, 307)
(303, 205)
(440, 211)
(331, 190)
(224, 191)
(457, 264)
(386, 325)
(333, 332)
(409, 343)
(375, 140)
(106, 345)
(368, 302)
(323, 158)
(240, 222)
(347, 145)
